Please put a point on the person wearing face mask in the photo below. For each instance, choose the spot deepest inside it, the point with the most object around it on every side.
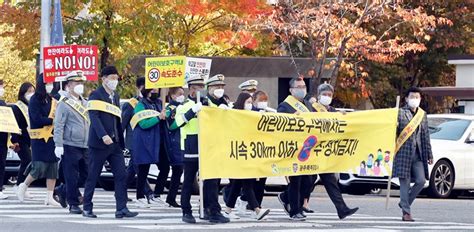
(292, 198)
(106, 143)
(148, 144)
(260, 102)
(186, 118)
(3, 146)
(413, 151)
(325, 93)
(215, 88)
(172, 141)
(236, 186)
(249, 87)
(44, 162)
(21, 142)
(127, 114)
(71, 131)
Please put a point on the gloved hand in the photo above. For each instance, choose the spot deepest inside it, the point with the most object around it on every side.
(59, 151)
(231, 105)
(197, 107)
(222, 106)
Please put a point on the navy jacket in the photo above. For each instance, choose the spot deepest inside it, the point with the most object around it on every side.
(173, 136)
(127, 114)
(102, 123)
(147, 142)
(285, 108)
(39, 111)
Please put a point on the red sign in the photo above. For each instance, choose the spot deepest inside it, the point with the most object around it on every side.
(58, 61)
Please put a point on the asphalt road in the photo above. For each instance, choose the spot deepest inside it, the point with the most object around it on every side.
(430, 215)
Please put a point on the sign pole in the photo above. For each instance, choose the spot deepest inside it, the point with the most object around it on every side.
(389, 183)
(201, 182)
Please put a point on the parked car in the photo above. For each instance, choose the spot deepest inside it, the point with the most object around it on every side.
(452, 141)
(12, 166)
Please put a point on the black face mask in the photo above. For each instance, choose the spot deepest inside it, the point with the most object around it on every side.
(154, 96)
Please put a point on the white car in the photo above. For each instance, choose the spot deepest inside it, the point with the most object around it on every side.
(452, 141)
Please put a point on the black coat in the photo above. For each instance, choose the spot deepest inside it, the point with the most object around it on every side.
(22, 139)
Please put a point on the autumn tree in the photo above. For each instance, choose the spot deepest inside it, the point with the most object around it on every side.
(339, 30)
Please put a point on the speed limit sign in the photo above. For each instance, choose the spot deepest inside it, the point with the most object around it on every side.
(154, 75)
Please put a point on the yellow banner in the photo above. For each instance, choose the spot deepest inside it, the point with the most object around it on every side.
(104, 107)
(8, 123)
(246, 144)
(165, 72)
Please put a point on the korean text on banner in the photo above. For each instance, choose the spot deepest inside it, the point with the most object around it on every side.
(61, 60)
(248, 144)
(198, 66)
(8, 123)
(164, 72)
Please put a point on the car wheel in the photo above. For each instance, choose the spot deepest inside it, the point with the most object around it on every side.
(441, 180)
(375, 191)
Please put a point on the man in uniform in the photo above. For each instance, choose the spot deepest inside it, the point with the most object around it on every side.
(215, 92)
(186, 118)
(249, 86)
(106, 142)
(71, 130)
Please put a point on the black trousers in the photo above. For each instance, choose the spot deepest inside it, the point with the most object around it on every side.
(142, 177)
(210, 188)
(74, 165)
(25, 159)
(308, 187)
(113, 154)
(177, 171)
(332, 188)
(132, 171)
(3, 161)
(247, 187)
(294, 195)
(259, 189)
(164, 167)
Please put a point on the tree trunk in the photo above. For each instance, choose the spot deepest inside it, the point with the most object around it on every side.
(335, 70)
(105, 53)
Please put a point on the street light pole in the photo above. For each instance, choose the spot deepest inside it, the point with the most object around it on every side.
(45, 29)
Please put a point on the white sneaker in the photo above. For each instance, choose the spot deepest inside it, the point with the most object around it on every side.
(3, 196)
(142, 203)
(241, 206)
(21, 192)
(231, 215)
(28, 195)
(51, 202)
(156, 201)
(261, 215)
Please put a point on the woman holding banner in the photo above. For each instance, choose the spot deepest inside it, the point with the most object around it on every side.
(147, 141)
(173, 144)
(21, 142)
(45, 162)
(244, 102)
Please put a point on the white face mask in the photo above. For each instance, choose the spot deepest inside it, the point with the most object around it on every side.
(248, 106)
(28, 96)
(49, 88)
(2, 92)
(262, 105)
(112, 84)
(414, 102)
(219, 93)
(79, 89)
(325, 100)
(180, 99)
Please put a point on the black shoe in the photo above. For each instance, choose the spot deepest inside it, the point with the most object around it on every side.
(60, 199)
(74, 209)
(297, 217)
(188, 218)
(307, 210)
(347, 213)
(218, 218)
(286, 207)
(173, 204)
(125, 213)
(303, 214)
(206, 215)
(88, 214)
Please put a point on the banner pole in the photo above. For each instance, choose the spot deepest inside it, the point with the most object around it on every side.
(389, 182)
(200, 181)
